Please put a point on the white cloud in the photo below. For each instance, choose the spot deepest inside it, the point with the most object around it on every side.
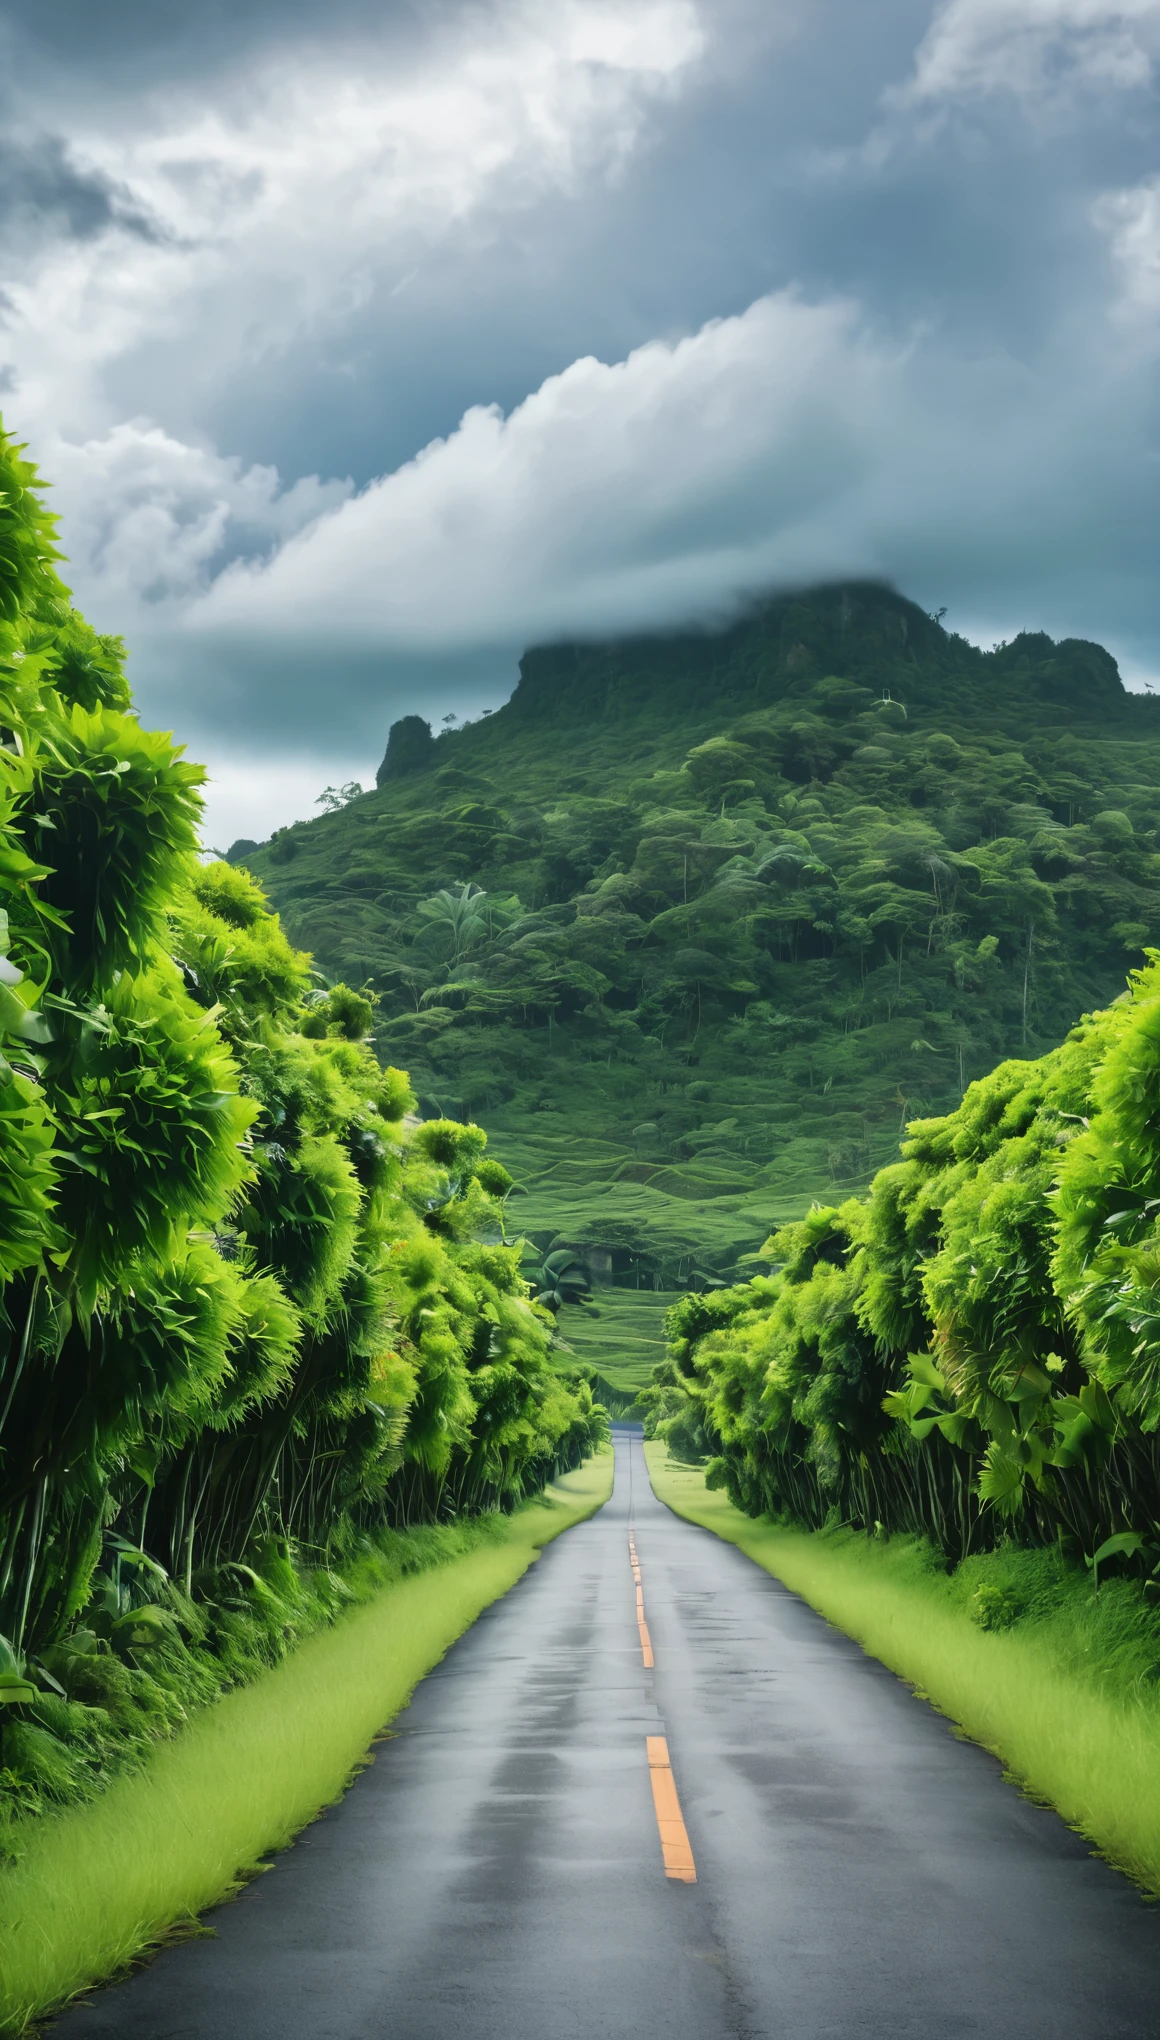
(614, 494)
(1131, 220)
(1035, 49)
(315, 157)
(803, 438)
(148, 518)
(790, 443)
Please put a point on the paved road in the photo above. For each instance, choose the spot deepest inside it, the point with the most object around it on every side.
(497, 1874)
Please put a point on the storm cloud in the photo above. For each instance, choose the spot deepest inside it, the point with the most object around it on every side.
(365, 345)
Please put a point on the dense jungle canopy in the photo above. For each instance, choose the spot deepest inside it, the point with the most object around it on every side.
(699, 922)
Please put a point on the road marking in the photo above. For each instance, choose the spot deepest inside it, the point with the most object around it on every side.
(678, 1856)
(675, 1850)
(646, 1649)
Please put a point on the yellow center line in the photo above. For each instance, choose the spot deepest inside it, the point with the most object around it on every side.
(678, 1856)
(646, 1649)
(675, 1850)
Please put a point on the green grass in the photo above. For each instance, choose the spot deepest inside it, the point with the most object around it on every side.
(1067, 1697)
(97, 1885)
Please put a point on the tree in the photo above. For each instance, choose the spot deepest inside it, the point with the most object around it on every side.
(333, 798)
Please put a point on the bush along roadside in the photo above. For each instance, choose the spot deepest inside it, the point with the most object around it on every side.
(971, 1353)
(253, 1318)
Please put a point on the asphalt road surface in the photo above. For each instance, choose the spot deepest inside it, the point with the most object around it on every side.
(498, 1873)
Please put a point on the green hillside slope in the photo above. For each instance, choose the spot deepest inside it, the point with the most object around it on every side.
(620, 1335)
(746, 903)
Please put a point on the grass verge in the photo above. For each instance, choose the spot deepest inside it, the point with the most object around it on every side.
(1066, 1693)
(98, 1884)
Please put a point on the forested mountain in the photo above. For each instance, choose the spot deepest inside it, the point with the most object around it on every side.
(698, 922)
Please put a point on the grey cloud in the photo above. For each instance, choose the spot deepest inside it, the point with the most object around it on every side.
(742, 187)
(276, 703)
(44, 194)
(141, 42)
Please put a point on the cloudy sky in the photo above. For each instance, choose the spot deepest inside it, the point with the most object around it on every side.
(367, 341)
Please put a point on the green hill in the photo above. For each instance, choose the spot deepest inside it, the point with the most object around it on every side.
(748, 901)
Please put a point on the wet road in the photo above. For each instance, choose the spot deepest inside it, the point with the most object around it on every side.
(498, 1873)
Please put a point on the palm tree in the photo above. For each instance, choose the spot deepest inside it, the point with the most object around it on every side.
(461, 914)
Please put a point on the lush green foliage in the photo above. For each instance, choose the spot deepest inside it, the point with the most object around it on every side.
(974, 1348)
(698, 923)
(249, 1319)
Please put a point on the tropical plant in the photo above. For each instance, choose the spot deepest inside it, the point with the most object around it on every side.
(560, 1279)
